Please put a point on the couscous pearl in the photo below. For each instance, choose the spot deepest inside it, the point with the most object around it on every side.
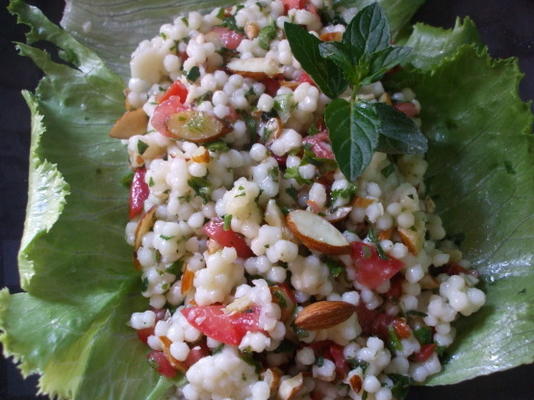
(394, 209)
(197, 169)
(196, 220)
(179, 350)
(371, 384)
(258, 152)
(405, 220)
(157, 301)
(305, 356)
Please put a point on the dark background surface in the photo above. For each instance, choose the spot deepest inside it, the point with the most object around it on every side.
(507, 26)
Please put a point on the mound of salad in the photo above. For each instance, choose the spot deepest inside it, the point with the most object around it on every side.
(278, 210)
(302, 176)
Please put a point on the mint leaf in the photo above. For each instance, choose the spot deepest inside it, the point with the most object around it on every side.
(368, 32)
(193, 74)
(305, 48)
(398, 133)
(339, 54)
(384, 60)
(353, 131)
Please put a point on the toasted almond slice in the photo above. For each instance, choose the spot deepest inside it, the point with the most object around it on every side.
(238, 305)
(136, 263)
(273, 214)
(282, 296)
(257, 68)
(272, 377)
(166, 346)
(355, 382)
(201, 155)
(331, 36)
(213, 246)
(338, 214)
(144, 225)
(251, 30)
(187, 281)
(412, 239)
(317, 233)
(323, 315)
(131, 123)
(195, 126)
(429, 282)
(290, 84)
(362, 202)
(385, 235)
(385, 98)
(289, 387)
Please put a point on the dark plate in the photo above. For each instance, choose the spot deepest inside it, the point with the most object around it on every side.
(505, 25)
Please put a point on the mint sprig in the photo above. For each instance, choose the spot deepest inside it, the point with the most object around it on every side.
(357, 128)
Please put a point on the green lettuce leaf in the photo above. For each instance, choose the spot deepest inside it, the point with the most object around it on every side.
(481, 175)
(81, 287)
(76, 268)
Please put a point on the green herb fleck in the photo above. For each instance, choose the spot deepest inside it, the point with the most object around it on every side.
(335, 267)
(292, 192)
(227, 222)
(200, 187)
(165, 237)
(293, 173)
(151, 182)
(144, 284)
(401, 385)
(423, 335)
(354, 363)
(193, 74)
(287, 346)
(218, 145)
(141, 147)
(379, 249)
(394, 341)
(266, 35)
(319, 361)
(127, 179)
(388, 170)
(346, 193)
(280, 299)
(176, 268)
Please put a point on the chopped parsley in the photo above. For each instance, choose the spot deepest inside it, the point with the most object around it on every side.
(292, 192)
(127, 179)
(388, 170)
(334, 266)
(354, 363)
(144, 284)
(319, 361)
(151, 182)
(379, 249)
(266, 35)
(293, 173)
(141, 147)
(218, 145)
(176, 268)
(165, 237)
(346, 193)
(287, 346)
(200, 187)
(394, 341)
(423, 334)
(280, 299)
(227, 219)
(401, 385)
(193, 74)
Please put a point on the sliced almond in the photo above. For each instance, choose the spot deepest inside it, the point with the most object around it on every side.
(338, 214)
(136, 263)
(257, 68)
(290, 84)
(195, 126)
(411, 239)
(281, 296)
(238, 305)
(130, 124)
(213, 246)
(272, 377)
(317, 233)
(166, 346)
(144, 225)
(385, 98)
(201, 155)
(289, 387)
(187, 281)
(386, 234)
(323, 315)
(127, 105)
(355, 382)
(429, 282)
(272, 129)
(363, 202)
(251, 30)
(273, 214)
(331, 36)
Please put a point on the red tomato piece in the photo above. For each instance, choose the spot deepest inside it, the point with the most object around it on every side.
(163, 112)
(176, 89)
(215, 230)
(402, 329)
(195, 354)
(291, 4)
(371, 270)
(213, 322)
(160, 363)
(320, 145)
(342, 367)
(424, 353)
(304, 77)
(395, 290)
(229, 38)
(281, 160)
(373, 322)
(407, 108)
(271, 86)
(144, 333)
(138, 192)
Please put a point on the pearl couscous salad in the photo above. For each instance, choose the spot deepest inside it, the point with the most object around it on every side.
(278, 214)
